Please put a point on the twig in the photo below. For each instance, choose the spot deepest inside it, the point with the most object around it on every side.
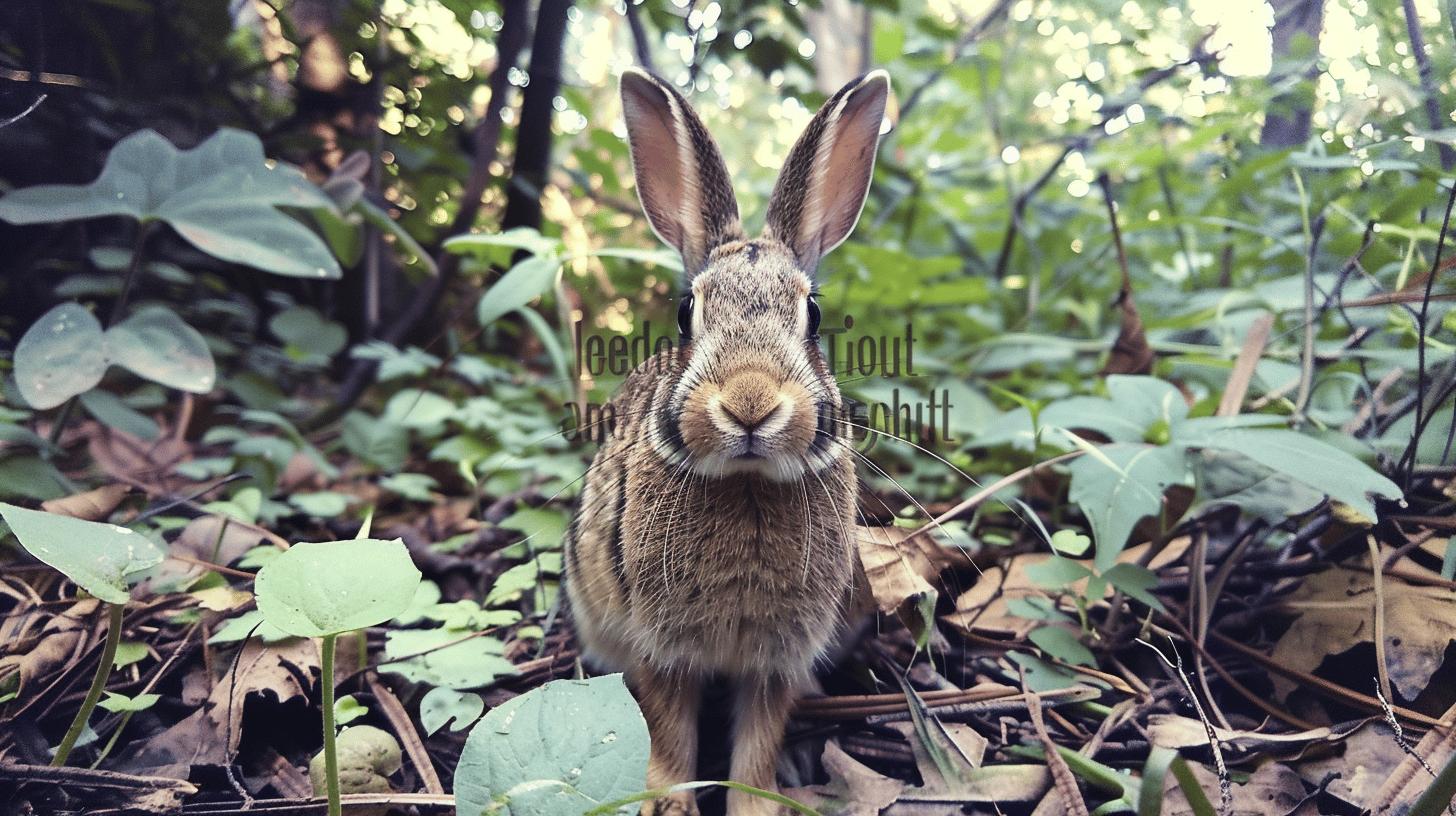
(1399, 735)
(1378, 581)
(1243, 372)
(1408, 457)
(1065, 784)
(1225, 786)
(1428, 79)
(979, 28)
(988, 491)
(90, 778)
(28, 111)
(405, 730)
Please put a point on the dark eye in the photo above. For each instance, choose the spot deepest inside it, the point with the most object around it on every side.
(685, 316)
(813, 317)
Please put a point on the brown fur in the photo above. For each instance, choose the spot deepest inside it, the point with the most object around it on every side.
(713, 536)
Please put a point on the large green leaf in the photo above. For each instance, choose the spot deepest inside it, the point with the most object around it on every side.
(1321, 466)
(331, 587)
(1116, 485)
(65, 353)
(221, 196)
(98, 557)
(525, 282)
(559, 750)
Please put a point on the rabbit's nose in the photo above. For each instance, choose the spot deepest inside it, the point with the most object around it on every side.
(750, 399)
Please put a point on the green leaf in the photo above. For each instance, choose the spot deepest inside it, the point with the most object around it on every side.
(491, 246)
(120, 703)
(322, 504)
(1070, 543)
(441, 705)
(347, 709)
(308, 332)
(418, 410)
(1061, 643)
(98, 557)
(556, 751)
(221, 196)
(1116, 485)
(1135, 581)
(249, 623)
(445, 657)
(525, 282)
(110, 411)
(327, 588)
(1057, 572)
(155, 344)
(60, 356)
(129, 652)
(1321, 466)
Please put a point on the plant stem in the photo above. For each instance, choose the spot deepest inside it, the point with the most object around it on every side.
(331, 757)
(132, 270)
(98, 684)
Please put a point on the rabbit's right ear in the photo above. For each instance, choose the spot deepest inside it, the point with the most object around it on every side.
(681, 179)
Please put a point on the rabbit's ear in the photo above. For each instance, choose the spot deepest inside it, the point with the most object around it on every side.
(681, 179)
(822, 186)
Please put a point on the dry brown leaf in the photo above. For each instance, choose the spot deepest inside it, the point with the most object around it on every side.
(1175, 731)
(897, 573)
(853, 789)
(285, 669)
(982, 608)
(1272, 790)
(135, 461)
(58, 645)
(1369, 756)
(1337, 612)
(1131, 353)
(92, 505)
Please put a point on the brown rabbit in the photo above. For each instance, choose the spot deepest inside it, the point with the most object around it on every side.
(714, 536)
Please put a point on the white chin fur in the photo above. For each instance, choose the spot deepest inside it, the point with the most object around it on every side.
(774, 467)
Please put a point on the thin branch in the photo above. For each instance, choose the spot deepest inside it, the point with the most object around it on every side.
(1408, 457)
(1428, 79)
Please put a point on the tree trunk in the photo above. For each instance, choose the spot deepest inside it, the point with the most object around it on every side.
(1297, 25)
(533, 137)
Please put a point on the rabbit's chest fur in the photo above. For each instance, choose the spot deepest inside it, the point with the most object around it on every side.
(724, 575)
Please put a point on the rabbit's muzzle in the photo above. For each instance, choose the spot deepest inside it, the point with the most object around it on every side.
(751, 421)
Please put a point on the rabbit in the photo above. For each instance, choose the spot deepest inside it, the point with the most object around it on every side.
(714, 532)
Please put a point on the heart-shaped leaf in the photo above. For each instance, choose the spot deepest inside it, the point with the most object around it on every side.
(1116, 485)
(328, 588)
(154, 343)
(524, 282)
(98, 557)
(60, 356)
(221, 196)
(559, 750)
(441, 705)
(65, 353)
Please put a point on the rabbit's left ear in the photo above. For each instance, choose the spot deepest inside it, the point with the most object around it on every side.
(822, 186)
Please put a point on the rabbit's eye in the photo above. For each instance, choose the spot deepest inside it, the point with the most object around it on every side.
(685, 316)
(813, 317)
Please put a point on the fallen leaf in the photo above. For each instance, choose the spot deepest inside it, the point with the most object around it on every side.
(1336, 611)
(57, 646)
(92, 505)
(285, 670)
(897, 573)
(1367, 758)
(1130, 353)
(853, 789)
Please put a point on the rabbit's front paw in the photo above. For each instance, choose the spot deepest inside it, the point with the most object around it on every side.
(682, 803)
